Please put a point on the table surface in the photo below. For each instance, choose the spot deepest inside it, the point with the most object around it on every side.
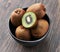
(52, 41)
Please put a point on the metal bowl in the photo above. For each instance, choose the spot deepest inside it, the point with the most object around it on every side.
(35, 42)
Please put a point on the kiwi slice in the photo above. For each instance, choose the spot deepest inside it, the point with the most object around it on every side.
(29, 20)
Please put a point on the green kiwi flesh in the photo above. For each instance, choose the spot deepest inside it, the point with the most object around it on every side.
(29, 19)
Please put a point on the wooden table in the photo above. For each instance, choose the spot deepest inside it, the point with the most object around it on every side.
(51, 43)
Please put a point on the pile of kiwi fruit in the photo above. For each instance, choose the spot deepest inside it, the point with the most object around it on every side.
(30, 24)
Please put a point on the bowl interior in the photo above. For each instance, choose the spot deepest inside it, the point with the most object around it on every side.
(13, 28)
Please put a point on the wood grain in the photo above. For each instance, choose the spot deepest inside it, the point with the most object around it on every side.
(51, 43)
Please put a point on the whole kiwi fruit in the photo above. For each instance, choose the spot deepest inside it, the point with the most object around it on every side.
(16, 16)
(22, 33)
(41, 28)
(38, 9)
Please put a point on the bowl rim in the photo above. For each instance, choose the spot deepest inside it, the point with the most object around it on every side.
(38, 40)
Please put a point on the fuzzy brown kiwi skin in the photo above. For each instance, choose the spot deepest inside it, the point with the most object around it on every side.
(22, 33)
(40, 30)
(39, 9)
(16, 16)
